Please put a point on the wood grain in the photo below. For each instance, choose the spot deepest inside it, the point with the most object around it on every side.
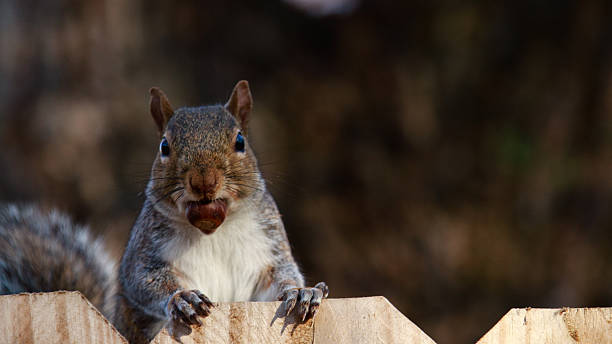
(553, 325)
(67, 317)
(355, 320)
(58, 317)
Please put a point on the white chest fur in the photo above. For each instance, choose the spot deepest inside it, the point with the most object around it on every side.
(227, 264)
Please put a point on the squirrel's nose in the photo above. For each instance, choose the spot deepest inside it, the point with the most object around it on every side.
(204, 185)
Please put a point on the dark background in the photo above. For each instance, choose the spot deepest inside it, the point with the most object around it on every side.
(454, 157)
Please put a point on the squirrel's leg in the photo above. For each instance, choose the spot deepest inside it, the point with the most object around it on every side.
(284, 282)
(151, 296)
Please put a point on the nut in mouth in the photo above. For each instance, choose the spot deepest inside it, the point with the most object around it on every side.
(207, 215)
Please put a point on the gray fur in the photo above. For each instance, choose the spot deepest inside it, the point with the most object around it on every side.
(44, 251)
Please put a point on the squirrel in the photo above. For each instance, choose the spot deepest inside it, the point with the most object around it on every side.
(208, 231)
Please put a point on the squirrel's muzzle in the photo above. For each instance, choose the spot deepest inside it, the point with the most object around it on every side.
(204, 184)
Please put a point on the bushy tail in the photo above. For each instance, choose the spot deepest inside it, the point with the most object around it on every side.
(44, 251)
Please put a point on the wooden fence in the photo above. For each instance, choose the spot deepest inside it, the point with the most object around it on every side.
(67, 317)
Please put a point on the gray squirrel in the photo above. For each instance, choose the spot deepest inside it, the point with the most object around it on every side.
(208, 231)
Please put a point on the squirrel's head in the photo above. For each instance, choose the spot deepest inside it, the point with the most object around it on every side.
(204, 165)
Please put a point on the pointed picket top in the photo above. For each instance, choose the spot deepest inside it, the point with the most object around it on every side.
(552, 325)
(353, 320)
(58, 317)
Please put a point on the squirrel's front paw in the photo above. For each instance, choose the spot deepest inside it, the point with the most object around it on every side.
(185, 306)
(307, 299)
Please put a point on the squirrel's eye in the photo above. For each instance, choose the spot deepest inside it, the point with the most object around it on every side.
(239, 142)
(164, 147)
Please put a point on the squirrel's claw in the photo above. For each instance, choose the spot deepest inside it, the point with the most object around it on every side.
(199, 302)
(324, 288)
(305, 297)
(184, 310)
(307, 300)
(186, 305)
(290, 298)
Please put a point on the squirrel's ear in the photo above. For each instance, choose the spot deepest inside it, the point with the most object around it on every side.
(240, 104)
(160, 108)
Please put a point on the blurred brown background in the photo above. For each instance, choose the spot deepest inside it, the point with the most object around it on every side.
(454, 157)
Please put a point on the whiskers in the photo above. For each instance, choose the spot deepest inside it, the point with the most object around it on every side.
(168, 190)
(242, 179)
(181, 193)
(271, 179)
(156, 178)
